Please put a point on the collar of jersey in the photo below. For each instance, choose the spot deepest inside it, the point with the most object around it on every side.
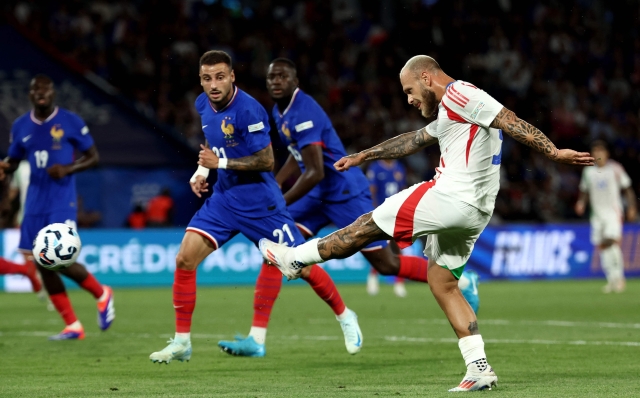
(293, 97)
(39, 122)
(235, 92)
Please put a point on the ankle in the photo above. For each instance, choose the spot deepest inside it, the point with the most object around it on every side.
(182, 338)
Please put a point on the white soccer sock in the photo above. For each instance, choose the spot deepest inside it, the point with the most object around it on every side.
(463, 282)
(307, 253)
(609, 266)
(344, 314)
(75, 326)
(618, 261)
(472, 348)
(182, 338)
(258, 334)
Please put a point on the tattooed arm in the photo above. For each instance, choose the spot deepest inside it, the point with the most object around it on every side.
(397, 147)
(259, 161)
(529, 135)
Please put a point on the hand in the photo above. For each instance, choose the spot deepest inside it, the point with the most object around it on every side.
(3, 167)
(579, 208)
(631, 214)
(58, 171)
(349, 161)
(201, 185)
(207, 158)
(570, 156)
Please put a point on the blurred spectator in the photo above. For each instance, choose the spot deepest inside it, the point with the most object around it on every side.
(160, 210)
(570, 67)
(137, 218)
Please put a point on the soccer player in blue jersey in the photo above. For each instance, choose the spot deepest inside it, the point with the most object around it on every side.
(47, 137)
(321, 195)
(246, 198)
(386, 177)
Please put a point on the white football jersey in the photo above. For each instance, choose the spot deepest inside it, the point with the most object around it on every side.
(603, 184)
(471, 151)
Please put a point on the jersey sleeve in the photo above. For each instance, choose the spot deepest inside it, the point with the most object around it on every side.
(79, 135)
(16, 147)
(254, 124)
(584, 182)
(469, 103)
(622, 177)
(308, 126)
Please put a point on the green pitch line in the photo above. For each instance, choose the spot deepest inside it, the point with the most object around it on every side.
(544, 339)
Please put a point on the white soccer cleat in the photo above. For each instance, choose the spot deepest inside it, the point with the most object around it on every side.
(399, 289)
(175, 350)
(373, 285)
(476, 380)
(352, 332)
(282, 257)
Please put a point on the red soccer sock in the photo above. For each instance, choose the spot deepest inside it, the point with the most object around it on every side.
(372, 271)
(9, 267)
(267, 289)
(324, 287)
(91, 284)
(184, 298)
(413, 268)
(64, 308)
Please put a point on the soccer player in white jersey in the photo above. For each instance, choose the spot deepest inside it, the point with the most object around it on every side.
(600, 186)
(451, 210)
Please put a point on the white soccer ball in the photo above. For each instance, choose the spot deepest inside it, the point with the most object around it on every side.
(56, 246)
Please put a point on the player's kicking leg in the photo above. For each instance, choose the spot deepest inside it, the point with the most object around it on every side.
(28, 269)
(193, 250)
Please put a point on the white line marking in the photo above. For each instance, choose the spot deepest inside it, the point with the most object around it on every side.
(506, 341)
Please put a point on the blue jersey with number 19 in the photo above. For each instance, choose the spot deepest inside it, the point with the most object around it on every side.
(304, 123)
(240, 129)
(43, 144)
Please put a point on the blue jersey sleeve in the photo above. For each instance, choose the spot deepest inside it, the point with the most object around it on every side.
(254, 125)
(308, 127)
(79, 135)
(16, 148)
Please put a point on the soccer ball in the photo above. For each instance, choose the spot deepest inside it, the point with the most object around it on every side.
(56, 246)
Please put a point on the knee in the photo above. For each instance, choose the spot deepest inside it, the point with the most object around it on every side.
(185, 262)
(306, 272)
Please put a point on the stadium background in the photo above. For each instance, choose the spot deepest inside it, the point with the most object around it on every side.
(129, 68)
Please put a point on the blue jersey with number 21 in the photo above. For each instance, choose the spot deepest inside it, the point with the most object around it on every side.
(43, 144)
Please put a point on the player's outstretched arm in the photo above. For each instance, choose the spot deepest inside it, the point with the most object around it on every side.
(89, 159)
(287, 169)
(313, 173)
(403, 145)
(632, 209)
(529, 135)
(259, 161)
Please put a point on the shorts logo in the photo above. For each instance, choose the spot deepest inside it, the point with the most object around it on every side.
(56, 133)
(477, 110)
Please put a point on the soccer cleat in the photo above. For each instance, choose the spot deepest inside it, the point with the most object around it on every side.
(68, 334)
(282, 257)
(34, 276)
(175, 350)
(352, 332)
(243, 347)
(399, 289)
(470, 293)
(475, 380)
(106, 310)
(373, 285)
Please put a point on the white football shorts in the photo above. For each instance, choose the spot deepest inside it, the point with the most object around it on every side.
(605, 227)
(452, 227)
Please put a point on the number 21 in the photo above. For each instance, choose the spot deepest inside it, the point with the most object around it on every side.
(279, 233)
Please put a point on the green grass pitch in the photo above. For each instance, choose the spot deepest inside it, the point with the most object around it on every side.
(544, 339)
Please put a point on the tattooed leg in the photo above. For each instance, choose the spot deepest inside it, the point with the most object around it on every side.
(351, 239)
(444, 287)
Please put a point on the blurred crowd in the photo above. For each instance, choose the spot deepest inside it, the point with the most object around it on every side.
(570, 67)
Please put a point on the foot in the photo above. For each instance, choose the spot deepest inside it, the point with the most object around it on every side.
(34, 276)
(352, 332)
(470, 293)
(619, 286)
(399, 289)
(476, 380)
(373, 285)
(282, 257)
(243, 347)
(69, 334)
(607, 288)
(175, 350)
(106, 310)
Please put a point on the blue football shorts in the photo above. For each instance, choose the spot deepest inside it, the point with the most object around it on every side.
(32, 224)
(311, 214)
